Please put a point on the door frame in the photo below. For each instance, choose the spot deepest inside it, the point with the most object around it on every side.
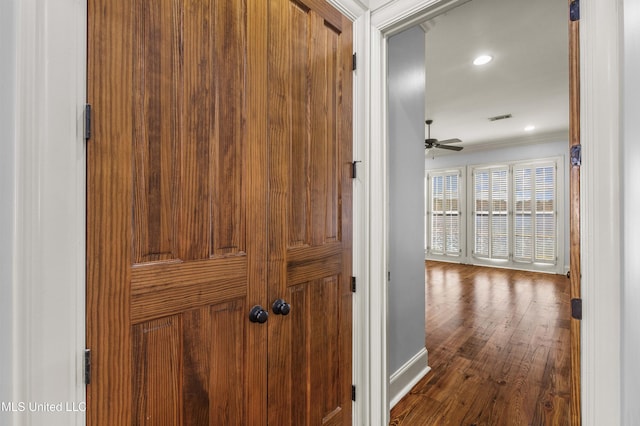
(47, 288)
(599, 118)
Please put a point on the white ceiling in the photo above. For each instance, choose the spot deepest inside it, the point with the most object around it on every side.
(527, 78)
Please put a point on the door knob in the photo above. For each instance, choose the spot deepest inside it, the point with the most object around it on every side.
(258, 314)
(280, 307)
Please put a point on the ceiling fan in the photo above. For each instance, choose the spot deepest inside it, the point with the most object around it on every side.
(433, 143)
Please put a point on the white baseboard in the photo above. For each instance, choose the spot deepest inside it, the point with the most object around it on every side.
(408, 375)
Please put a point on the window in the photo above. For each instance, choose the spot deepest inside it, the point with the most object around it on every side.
(513, 220)
(444, 213)
(534, 213)
(491, 213)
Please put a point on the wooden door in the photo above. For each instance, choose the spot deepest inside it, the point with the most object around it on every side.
(309, 120)
(574, 208)
(178, 244)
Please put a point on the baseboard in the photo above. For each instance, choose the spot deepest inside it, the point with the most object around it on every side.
(408, 375)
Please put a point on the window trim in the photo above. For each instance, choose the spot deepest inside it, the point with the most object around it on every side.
(429, 175)
(490, 211)
(467, 226)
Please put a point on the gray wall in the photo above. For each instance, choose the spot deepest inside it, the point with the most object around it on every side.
(630, 225)
(516, 153)
(7, 197)
(406, 320)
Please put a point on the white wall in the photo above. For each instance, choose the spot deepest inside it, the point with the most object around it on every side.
(558, 147)
(630, 296)
(406, 320)
(45, 282)
(7, 197)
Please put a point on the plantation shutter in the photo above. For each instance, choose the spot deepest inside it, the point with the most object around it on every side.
(445, 214)
(452, 215)
(545, 218)
(481, 213)
(437, 215)
(535, 213)
(499, 214)
(491, 214)
(522, 214)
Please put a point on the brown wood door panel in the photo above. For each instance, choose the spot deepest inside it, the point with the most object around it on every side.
(186, 140)
(574, 214)
(307, 366)
(182, 359)
(310, 244)
(171, 274)
(218, 177)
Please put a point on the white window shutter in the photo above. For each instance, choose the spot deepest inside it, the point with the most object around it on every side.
(535, 215)
(481, 213)
(444, 213)
(545, 219)
(437, 214)
(522, 214)
(452, 214)
(499, 213)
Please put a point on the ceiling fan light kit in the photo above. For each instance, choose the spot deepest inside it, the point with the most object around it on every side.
(434, 143)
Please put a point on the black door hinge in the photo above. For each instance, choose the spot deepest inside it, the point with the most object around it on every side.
(353, 284)
(353, 392)
(576, 309)
(87, 366)
(574, 10)
(353, 65)
(87, 122)
(354, 169)
(576, 155)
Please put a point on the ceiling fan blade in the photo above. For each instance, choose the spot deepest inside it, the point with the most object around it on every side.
(452, 148)
(446, 141)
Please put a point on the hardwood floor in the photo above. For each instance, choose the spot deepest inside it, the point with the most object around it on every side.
(498, 343)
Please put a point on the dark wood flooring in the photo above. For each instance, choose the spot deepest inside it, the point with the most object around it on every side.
(498, 343)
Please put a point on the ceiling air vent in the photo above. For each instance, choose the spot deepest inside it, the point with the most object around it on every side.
(500, 117)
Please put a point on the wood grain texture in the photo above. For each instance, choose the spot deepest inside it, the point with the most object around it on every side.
(310, 246)
(228, 406)
(197, 83)
(257, 236)
(165, 289)
(170, 274)
(499, 349)
(313, 270)
(156, 128)
(157, 385)
(213, 180)
(574, 214)
(197, 338)
(109, 236)
(231, 120)
(321, 117)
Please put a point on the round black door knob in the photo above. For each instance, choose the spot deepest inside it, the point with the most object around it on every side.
(258, 314)
(280, 307)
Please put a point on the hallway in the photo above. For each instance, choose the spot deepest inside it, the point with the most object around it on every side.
(498, 343)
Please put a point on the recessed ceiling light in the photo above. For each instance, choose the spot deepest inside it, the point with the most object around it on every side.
(482, 60)
(529, 128)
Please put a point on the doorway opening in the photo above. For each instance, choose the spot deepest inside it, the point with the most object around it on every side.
(454, 111)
